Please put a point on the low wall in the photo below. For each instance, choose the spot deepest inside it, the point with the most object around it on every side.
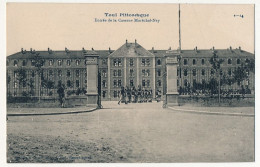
(213, 101)
(45, 102)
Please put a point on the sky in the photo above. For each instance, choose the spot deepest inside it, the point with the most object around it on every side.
(43, 25)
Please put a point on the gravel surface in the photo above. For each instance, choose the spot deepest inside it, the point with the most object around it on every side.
(131, 133)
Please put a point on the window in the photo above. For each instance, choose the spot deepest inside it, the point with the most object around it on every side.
(131, 83)
(33, 74)
(143, 62)
(77, 62)
(202, 72)
(115, 83)
(185, 72)
(185, 82)
(212, 72)
(115, 73)
(77, 73)
(119, 62)
(229, 61)
(68, 62)
(68, 73)
(178, 82)
(159, 83)
(24, 62)
(238, 61)
(115, 94)
(86, 62)
(147, 63)
(32, 63)
(148, 83)
(59, 73)
(15, 63)
(77, 83)
(202, 61)
(194, 83)
(147, 73)
(193, 61)
(229, 72)
(15, 74)
(7, 63)
(50, 73)
(115, 62)
(104, 73)
(158, 73)
(119, 72)
(143, 83)
(194, 72)
(131, 62)
(185, 62)
(104, 94)
(159, 62)
(119, 83)
(68, 83)
(131, 72)
(59, 62)
(143, 73)
(50, 62)
(15, 85)
(104, 84)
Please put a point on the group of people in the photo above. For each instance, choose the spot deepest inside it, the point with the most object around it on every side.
(133, 95)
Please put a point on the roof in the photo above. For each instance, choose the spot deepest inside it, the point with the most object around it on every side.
(131, 50)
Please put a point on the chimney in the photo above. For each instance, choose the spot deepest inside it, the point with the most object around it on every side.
(196, 48)
(135, 42)
(83, 49)
(22, 50)
(92, 48)
(213, 48)
(152, 48)
(109, 50)
(230, 48)
(49, 50)
(126, 42)
(239, 48)
(170, 48)
(31, 50)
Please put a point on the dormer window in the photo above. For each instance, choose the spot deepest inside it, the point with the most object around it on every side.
(68, 62)
(24, 62)
(185, 61)
(59, 62)
(15, 63)
(50, 62)
(77, 62)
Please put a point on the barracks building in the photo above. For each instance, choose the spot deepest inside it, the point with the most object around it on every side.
(130, 65)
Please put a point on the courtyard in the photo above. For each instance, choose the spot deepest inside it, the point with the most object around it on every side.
(143, 132)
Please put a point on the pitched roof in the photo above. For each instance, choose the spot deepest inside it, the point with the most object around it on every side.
(131, 50)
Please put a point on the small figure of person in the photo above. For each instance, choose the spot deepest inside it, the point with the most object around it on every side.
(61, 93)
(122, 95)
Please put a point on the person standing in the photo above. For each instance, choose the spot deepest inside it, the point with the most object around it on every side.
(122, 95)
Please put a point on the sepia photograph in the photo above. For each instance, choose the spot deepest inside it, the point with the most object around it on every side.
(130, 82)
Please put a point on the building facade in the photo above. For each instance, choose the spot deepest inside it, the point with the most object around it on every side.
(130, 65)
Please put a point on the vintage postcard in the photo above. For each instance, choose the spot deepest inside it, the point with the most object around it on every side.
(130, 83)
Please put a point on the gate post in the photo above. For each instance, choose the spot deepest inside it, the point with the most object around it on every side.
(171, 79)
(92, 78)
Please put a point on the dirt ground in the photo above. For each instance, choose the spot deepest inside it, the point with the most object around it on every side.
(131, 133)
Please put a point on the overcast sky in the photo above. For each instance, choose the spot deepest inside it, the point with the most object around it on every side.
(57, 26)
